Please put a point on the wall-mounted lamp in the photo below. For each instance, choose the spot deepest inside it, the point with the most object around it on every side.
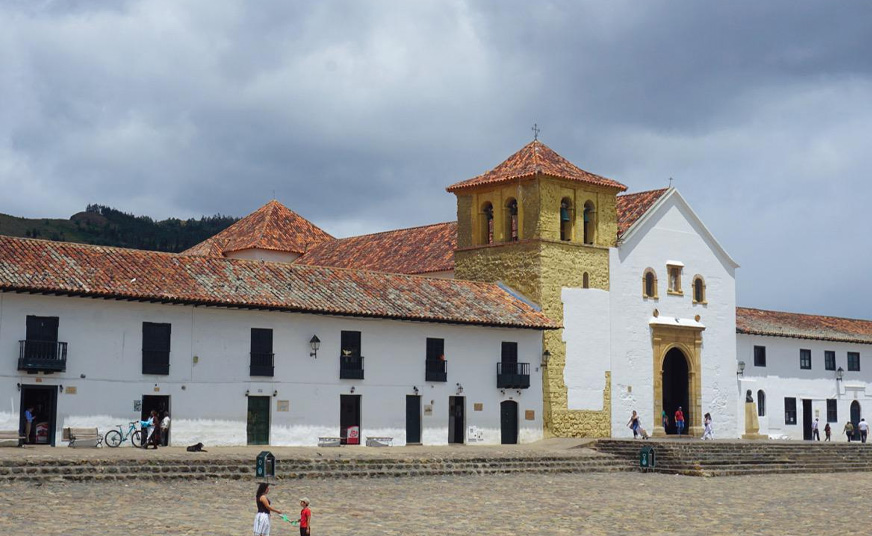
(352, 388)
(82, 376)
(519, 392)
(19, 386)
(415, 389)
(315, 343)
(275, 393)
(246, 392)
(740, 370)
(61, 388)
(840, 374)
(503, 392)
(546, 355)
(459, 388)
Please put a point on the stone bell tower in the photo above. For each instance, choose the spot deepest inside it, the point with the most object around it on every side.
(539, 224)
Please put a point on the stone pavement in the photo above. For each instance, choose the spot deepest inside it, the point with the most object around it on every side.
(617, 503)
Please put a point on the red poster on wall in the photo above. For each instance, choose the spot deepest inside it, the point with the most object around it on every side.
(353, 435)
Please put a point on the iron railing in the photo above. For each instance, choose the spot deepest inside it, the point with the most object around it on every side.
(261, 364)
(44, 356)
(513, 375)
(350, 367)
(436, 370)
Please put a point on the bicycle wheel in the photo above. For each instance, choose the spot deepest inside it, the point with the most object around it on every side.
(113, 438)
(136, 438)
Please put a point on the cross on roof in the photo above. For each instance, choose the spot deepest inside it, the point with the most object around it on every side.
(535, 130)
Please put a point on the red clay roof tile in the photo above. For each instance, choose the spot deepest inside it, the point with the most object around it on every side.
(418, 250)
(272, 227)
(28, 265)
(533, 159)
(631, 207)
(802, 326)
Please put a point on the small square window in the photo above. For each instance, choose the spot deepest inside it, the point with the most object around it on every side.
(854, 361)
(759, 356)
(829, 360)
(805, 359)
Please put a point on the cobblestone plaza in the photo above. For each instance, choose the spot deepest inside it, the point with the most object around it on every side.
(616, 503)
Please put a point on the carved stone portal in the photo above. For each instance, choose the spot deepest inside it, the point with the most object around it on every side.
(687, 339)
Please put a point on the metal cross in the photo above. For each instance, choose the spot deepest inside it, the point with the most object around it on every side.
(670, 182)
(535, 130)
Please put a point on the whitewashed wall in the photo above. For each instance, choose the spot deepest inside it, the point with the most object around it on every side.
(671, 232)
(587, 319)
(782, 378)
(208, 402)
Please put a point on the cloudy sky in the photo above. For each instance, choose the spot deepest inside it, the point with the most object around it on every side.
(358, 114)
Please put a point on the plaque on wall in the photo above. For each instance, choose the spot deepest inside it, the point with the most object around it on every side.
(70, 390)
(283, 405)
(137, 405)
(428, 410)
(478, 406)
(530, 414)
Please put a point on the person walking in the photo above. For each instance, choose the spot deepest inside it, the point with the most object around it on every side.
(709, 431)
(679, 420)
(28, 423)
(261, 518)
(863, 426)
(664, 420)
(633, 423)
(828, 432)
(815, 430)
(165, 429)
(305, 517)
(849, 430)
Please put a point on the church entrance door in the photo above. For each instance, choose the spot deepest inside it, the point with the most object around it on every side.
(676, 389)
(855, 418)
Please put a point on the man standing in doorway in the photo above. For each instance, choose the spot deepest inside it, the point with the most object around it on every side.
(28, 423)
(815, 431)
(679, 420)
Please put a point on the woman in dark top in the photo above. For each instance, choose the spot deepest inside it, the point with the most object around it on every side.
(261, 519)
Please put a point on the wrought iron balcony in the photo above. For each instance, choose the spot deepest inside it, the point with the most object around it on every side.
(155, 362)
(437, 370)
(42, 356)
(261, 364)
(350, 367)
(513, 375)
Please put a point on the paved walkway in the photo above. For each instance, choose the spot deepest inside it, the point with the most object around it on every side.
(621, 503)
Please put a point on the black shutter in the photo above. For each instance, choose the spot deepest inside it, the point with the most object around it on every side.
(261, 341)
(351, 343)
(435, 349)
(156, 348)
(42, 328)
(510, 352)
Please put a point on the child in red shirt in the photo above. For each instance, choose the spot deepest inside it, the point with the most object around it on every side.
(305, 517)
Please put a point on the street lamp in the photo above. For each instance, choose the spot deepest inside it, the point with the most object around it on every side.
(741, 369)
(546, 355)
(315, 343)
(840, 374)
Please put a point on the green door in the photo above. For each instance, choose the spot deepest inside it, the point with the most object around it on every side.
(258, 420)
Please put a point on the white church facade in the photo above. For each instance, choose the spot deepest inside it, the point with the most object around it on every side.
(555, 305)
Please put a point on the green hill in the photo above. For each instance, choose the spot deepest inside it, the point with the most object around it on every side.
(107, 226)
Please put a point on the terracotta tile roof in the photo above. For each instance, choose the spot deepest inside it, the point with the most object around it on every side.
(801, 326)
(418, 250)
(631, 207)
(272, 227)
(28, 265)
(535, 158)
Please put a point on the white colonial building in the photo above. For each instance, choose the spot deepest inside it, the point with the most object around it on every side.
(801, 367)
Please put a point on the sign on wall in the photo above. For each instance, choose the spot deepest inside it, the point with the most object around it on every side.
(428, 410)
(530, 415)
(283, 405)
(137, 406)
(478, 406)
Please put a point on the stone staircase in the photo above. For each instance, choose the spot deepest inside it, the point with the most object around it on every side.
(729, 458)
(320, 468)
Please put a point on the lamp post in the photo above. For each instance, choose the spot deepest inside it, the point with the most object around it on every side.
(840, 374)
(740, 371)
(315, 343)
(546, 355)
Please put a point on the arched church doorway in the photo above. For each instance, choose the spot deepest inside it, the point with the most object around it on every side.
(676, 389)
(855, 417)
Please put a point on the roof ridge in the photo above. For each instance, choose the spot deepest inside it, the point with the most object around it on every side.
(395, 230)
(804, 314)
(90, 246)
(627, 194)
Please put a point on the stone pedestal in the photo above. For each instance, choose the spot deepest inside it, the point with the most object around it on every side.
(752, 425)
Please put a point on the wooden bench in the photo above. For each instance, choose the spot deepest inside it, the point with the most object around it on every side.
(11, 438)
(379, 441)
(329, 441)
(83, 437)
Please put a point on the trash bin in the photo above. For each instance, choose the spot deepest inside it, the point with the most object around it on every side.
(646, 458)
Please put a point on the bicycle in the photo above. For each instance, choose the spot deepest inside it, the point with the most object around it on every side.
(114, 438)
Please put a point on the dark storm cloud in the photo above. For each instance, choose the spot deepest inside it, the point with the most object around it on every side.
(358, 114)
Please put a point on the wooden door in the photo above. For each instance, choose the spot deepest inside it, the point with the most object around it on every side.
(413, 419)
(349, 415)
(456, 419)
(509, 422)
(806, 418)
(257, 429)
